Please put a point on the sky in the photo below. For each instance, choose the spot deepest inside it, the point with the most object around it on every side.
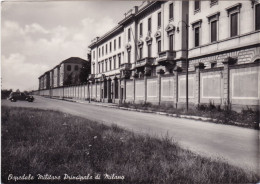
(38, 35)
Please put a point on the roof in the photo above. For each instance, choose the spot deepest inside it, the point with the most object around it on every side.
(75, 60)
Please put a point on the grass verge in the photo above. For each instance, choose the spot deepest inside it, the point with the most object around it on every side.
(48, 142)
(248, 117)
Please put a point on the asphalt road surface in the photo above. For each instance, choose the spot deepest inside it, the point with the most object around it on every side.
(238, 146)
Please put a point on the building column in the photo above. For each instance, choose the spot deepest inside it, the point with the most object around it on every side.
(226, 80)
(134, 90)
(124, 93)
(145, 88)
(109, 91)
(176, 71)
(159, 88)
(198, 68)
(114, 90)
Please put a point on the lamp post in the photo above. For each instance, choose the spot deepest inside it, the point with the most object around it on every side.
(187, 62)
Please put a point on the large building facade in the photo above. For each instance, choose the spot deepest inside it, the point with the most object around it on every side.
(143, 59)
(224, 52)
(127, 61)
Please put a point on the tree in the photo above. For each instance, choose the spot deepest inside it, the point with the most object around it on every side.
(84, 72)
(68, 80)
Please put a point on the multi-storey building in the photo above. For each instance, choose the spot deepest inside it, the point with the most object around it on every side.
(65, 73)
(224, 52)
(144, 45)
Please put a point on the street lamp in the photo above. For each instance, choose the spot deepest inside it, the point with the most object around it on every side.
(187, 62)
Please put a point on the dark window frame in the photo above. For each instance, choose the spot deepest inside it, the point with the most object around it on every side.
(141, 29)
(171, 12)
(197, 4)
(159, 21)
(129, 34)
(76, 67)
(119, 42)
(159, 46)
(213, 31)
(149, 24)
(171, 42)
(257, 17)
(234, 24)
(197, 36)
(68, 67)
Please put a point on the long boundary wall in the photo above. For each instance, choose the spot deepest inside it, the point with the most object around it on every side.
(236, 85)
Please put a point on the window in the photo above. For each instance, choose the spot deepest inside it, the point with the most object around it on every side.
(159, 19)
(106, 48)
(171, 11)
(110, 46)
(119, 60)
(119, 42)
(102, 50)
(106, 66)
(129, 56)
(102, 66)
(141, 52)
(98, 52)
(213, 2)
(93, 54)
(196, 5)
(257, 17)
(149, 47)
(149, 25)
(76, 68)
(159, 46)
(93, 68)
(197, 36)
(141, 29)
(114, 62)
(129, 35)
(69, 68)
(99, 67)
(213, 31)
(171, 42)
(110, 64)
(114, 44)
(234, 24)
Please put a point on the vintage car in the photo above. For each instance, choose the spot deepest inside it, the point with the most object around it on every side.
(14, 96)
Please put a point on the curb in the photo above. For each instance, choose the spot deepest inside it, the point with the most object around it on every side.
(198, 118)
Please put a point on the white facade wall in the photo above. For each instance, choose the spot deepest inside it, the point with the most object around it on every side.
(246, 27)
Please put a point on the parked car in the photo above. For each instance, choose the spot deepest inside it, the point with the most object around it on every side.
(14, 96)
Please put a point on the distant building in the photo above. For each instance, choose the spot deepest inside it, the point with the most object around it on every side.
(65, 73)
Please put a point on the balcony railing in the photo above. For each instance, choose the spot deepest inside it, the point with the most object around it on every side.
(166, 55)
(145, 62)
(125, 66)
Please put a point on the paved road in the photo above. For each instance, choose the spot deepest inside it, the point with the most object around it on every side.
(239, 146)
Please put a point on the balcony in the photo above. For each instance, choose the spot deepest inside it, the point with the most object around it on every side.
(148, 61)
(166, 56)
(125, 66)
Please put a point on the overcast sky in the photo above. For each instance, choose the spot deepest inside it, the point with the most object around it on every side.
(36, 36)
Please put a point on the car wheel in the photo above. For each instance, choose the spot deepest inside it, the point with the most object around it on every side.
(13, 100)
